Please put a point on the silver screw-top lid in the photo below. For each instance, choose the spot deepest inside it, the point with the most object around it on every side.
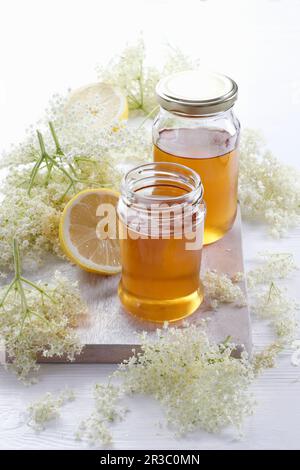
(196, 92)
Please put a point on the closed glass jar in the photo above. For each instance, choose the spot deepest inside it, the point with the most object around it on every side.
(196, 127)
(161, 225)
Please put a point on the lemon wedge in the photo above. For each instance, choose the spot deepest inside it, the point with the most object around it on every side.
(79, 233)
(102, 103)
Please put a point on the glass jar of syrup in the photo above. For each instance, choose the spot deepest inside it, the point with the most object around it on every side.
(161, 223)
(196, 127)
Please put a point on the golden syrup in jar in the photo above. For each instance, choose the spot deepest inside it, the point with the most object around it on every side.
(212, 153)
(160, 279)
(160, 276)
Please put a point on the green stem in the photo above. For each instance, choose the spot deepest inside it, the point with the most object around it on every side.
(148, 116)
(43, 158)
(42, 144)
(141, 85)
(34, 173)
(16, 256)
(42, 318)
(23, 322)
(72, 169)
(85, 159)
(273, 288)
(226, 340)
(7, 292)
(23, 296)
(61, 168)
(66, 192)
(54, 136)
(133, 98)
(37, 287)
(49, 168)
(18, 282)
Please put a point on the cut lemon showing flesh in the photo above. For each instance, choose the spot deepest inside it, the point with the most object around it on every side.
(101, 103)
(83, 231)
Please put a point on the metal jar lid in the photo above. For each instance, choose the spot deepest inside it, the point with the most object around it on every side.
(196, 93)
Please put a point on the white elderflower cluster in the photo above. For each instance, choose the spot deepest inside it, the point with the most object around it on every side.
(107, 410)
(33, 222)
(128, 72)
(271, 302)
(266, 359)
(220, 288)
(199, 383)
(47, 408)
(131, 72)
(21, 153)
(268, 190)
(39, 319)
(274, 266)
(109, 146)
(275, 305)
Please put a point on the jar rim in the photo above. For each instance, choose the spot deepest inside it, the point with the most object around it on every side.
(196, 92)
(142, 174)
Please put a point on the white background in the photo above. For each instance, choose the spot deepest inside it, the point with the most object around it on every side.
(49, 46)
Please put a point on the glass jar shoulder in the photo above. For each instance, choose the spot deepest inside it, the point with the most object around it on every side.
(196, 136)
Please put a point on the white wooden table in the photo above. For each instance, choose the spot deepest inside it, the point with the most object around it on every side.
(257, 46)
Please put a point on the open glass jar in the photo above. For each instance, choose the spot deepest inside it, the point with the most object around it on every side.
(196, 127)
(161, 221)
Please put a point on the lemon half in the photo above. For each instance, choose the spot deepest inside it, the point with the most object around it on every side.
(79, 236)
(102, 102)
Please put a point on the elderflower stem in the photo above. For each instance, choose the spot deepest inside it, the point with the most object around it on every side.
(141, 85)
(59, 151)
(18, 282)
(17, 263)
(148, 116)
(38, 163)
(42, 144)
(61, 168)
(37, 287)
(17, 266)
(11, 285)
(50, 163)
(85, 159)
(16, 255)
(54, 136)
(65, 193)
(133, 98)
(19, 279)
(273, 288)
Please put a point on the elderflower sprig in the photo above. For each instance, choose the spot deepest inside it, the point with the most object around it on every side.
(266, 359)
(33, 220)
(220, 288)
(54, 162)
(46, 409)
(269, 301)
(137, 79)
(274, 266)
(268, 190)
(274, 304)
(107, 410)
(36, 318)
(198, 382)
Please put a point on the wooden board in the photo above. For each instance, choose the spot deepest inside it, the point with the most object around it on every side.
(110, 333)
